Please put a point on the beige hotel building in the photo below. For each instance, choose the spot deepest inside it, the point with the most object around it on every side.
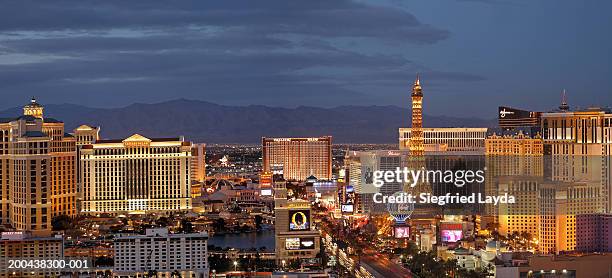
(577, 149)
(136, 175)
(37, 171)
(447, 139)
(298, 158)
(580, 147)
(514, 166)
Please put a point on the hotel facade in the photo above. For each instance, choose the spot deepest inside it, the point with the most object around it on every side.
(447, 139)
(37, 170)
(198, 162)
(580, 146)
(164, 253)
(298, 158)
(136, 175)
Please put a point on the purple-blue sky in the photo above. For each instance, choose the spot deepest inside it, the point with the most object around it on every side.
(472, 55)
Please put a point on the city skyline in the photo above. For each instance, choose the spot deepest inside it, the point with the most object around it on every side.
(127, 131)
(500, 52)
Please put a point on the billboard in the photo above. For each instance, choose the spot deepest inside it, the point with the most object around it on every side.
(292, 243)
(265, 180)
(307, 243)
(368, 166)
(266, 192)
(296, 243)
(512, 113)
(347, 208)
(401, 232)
(451, 235)
(509, 117)
(299, 220)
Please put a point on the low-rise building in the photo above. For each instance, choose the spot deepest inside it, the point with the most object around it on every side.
(163, 253)
(22, 245)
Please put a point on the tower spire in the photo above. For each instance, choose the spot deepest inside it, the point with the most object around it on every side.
(564, 106)
(33, 109)
(416, 87)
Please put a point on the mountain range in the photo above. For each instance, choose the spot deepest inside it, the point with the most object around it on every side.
(201, 121)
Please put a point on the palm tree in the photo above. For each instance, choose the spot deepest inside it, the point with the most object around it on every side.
(176, 274)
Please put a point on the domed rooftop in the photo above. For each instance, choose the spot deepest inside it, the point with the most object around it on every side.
(222, 182)
(311, 179)
(494, 244)
(461, 251)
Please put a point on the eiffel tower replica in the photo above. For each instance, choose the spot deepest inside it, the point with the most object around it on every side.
(416, 158)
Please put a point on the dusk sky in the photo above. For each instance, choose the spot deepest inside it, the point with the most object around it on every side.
(472, 55)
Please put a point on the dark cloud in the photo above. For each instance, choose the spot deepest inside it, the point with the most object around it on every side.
(314, 17)
(234, 52)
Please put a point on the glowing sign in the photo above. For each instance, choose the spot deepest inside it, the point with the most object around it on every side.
(265, 180)
(401, 232)
(299, 220)
(347, 208)
(307, 243)
(504, 112)
(292, 243)
(451, 235)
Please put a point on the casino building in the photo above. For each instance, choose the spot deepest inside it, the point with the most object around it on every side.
(37, 170)
(136, 175)
(579, 143)
(296, 240)
(360, 167)
(515, 165)
(447, 139)
(298, 158)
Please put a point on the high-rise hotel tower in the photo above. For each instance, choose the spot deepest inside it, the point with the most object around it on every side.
(298, 158)
(136, 175)
(37, 170)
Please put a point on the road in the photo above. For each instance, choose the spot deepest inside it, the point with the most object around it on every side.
(385, 267)
(375, 264)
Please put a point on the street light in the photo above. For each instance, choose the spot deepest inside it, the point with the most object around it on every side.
(235, 265)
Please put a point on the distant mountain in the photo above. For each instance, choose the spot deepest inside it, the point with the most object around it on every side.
(201, 121)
